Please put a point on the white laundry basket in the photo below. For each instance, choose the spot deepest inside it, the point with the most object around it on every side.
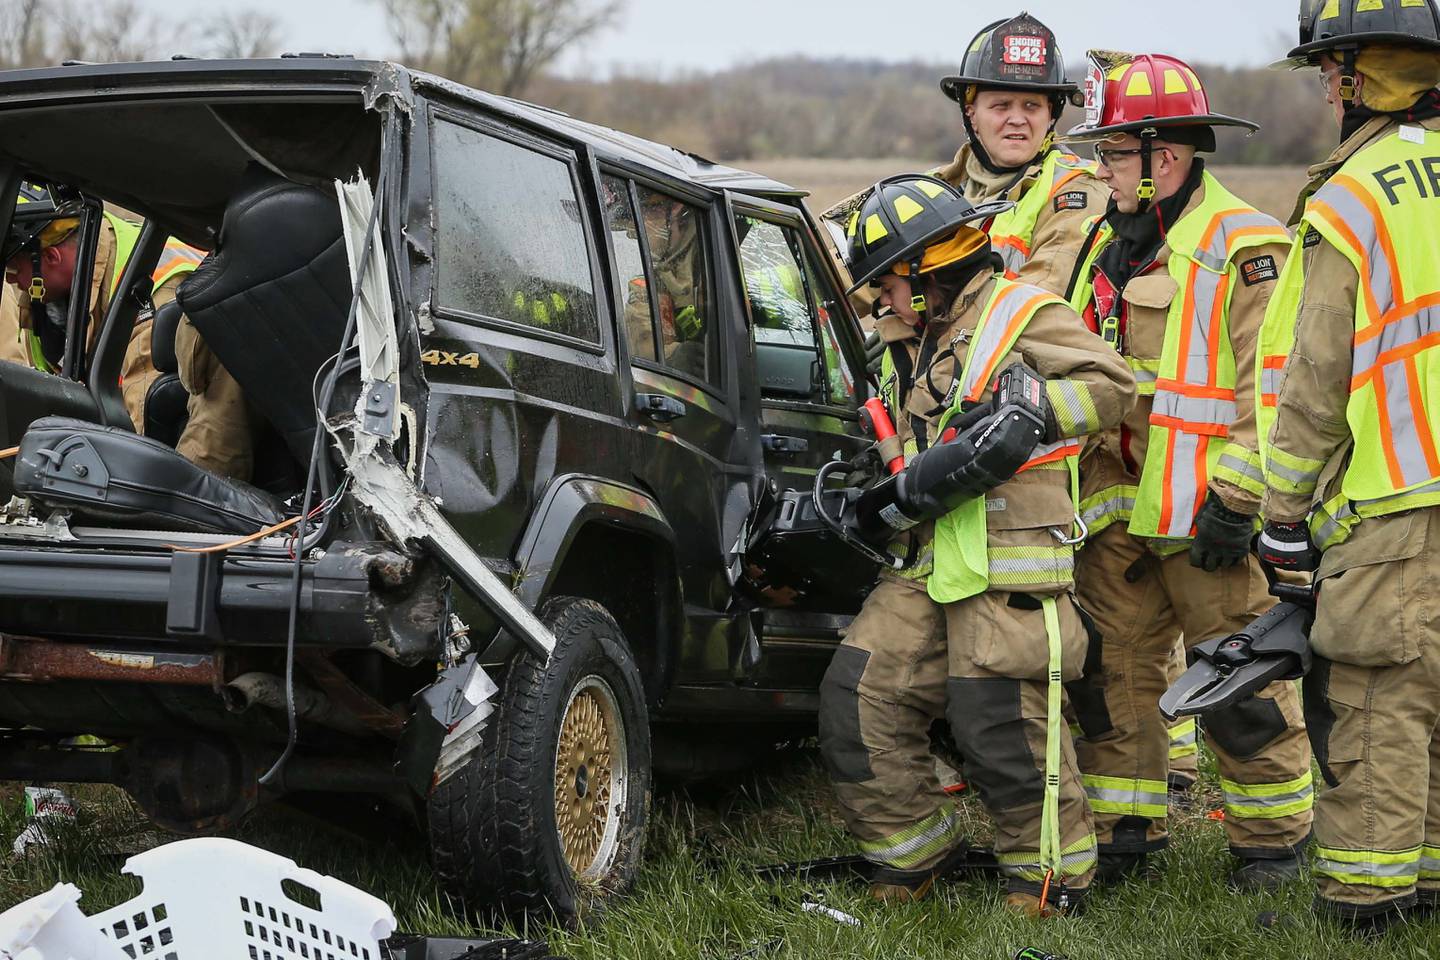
(214, 899)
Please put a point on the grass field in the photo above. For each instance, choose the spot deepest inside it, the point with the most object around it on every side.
(1271, 189)
(698, 898)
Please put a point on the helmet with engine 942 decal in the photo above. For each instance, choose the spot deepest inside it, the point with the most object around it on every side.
(1016, 54)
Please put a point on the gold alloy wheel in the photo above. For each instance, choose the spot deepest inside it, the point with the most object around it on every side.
(590, 778)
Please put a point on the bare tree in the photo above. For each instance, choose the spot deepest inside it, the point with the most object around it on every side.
(242, 34)
(20, 34)
(112, 31)
(497, 44)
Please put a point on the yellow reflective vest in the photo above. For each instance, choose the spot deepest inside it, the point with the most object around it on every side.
(177, 258)
(1012, 232)
(1375, 210)
(1194, 386)
(962, 565)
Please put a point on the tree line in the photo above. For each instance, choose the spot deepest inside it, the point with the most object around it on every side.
(838, 108)
(784, 107)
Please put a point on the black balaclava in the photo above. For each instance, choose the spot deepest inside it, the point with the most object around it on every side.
(1139, 236)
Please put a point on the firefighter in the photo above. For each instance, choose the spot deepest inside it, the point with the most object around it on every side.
(46, 249)
(44, 244)
(1352, 449)
(1012, 89)
(1176, 276)
(980, 615)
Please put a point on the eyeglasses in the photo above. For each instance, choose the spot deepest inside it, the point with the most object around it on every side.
(1106, 157)
(1325, 78)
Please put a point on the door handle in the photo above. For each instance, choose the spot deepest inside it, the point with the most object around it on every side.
(659, 407)
(778, 444)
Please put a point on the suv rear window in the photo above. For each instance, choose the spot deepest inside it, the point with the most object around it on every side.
(511, 239)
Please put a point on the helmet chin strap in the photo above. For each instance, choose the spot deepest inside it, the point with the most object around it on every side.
(918, 302)
(1347, 78)
(1145, 190)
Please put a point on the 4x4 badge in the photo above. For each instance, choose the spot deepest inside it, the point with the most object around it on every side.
(444, 358)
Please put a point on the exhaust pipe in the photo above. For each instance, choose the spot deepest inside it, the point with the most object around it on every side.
(268, 690)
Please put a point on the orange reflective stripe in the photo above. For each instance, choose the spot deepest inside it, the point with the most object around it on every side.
(999, 345)
(1060, 181)
(1204, 391)
(1066, 448)
(1272, 368)
(1420, 418)
(1190, 426)
(1387, 438)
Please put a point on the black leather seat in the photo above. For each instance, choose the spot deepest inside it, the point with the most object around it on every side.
(167, 402)
(272, 300)
(110, 474)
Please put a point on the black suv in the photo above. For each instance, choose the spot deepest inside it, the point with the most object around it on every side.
(561, 443)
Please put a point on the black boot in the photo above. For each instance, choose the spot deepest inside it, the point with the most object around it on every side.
(1368, 921)
(1255, 873)
(1114, 867)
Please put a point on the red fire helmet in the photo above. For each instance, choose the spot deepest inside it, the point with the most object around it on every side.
(1132, 93)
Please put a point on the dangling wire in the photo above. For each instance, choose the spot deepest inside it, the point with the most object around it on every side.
(317, 449)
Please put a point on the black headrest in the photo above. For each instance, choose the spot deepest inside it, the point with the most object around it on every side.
(271, 301)
(162, 337)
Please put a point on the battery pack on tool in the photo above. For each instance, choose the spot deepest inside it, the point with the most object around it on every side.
(975, 461)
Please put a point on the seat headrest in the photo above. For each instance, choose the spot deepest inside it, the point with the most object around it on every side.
(162, 337)
(272, 299)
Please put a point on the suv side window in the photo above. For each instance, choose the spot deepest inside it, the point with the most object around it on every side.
(510, 235)
(798, 355)
(679, 285)
(840, 376)
(639, 319)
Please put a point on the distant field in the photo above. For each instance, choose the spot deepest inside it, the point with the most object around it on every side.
(1272, 189)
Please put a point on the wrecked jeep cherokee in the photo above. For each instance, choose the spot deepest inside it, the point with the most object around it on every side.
(550, 400)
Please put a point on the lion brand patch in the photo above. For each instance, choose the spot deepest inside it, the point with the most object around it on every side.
(1259, 270)
(1072, 200)
(1312, 239)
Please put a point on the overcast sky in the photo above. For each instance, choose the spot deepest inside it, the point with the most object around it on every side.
(672, 35)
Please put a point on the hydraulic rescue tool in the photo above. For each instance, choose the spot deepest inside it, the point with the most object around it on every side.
(986, 446)
(1226, 670)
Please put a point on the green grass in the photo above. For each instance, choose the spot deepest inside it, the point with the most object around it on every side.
(698, 898)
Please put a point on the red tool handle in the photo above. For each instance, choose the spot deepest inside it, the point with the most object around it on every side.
(884, 429)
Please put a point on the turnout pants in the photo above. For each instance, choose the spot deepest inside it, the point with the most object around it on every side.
(1375, 721)
(908, 661)
(1138, 602)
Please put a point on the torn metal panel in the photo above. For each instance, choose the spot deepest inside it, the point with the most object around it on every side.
(411, 517)
(445, 730)
(377, 407)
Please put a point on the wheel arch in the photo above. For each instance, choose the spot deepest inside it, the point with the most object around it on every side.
(608, 542)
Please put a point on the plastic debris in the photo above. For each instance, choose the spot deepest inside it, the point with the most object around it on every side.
(45, 808)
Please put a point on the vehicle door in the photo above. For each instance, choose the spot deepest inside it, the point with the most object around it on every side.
(808, 361)
(676, 330)
(516, 347)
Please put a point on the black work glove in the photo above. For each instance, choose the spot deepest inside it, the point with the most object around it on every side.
(874, 352)
(1222, 536)
(1287, 546)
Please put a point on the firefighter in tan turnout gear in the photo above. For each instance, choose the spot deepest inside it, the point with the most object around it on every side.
(980, 615)
(40, 261)
(1350, 376)
(1176, 277)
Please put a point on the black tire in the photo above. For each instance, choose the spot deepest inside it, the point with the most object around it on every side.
(494, 826)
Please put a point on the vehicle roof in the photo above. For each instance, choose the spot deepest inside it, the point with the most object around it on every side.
(41, 87)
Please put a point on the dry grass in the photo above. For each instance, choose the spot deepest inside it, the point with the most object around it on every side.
(1272, 189)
